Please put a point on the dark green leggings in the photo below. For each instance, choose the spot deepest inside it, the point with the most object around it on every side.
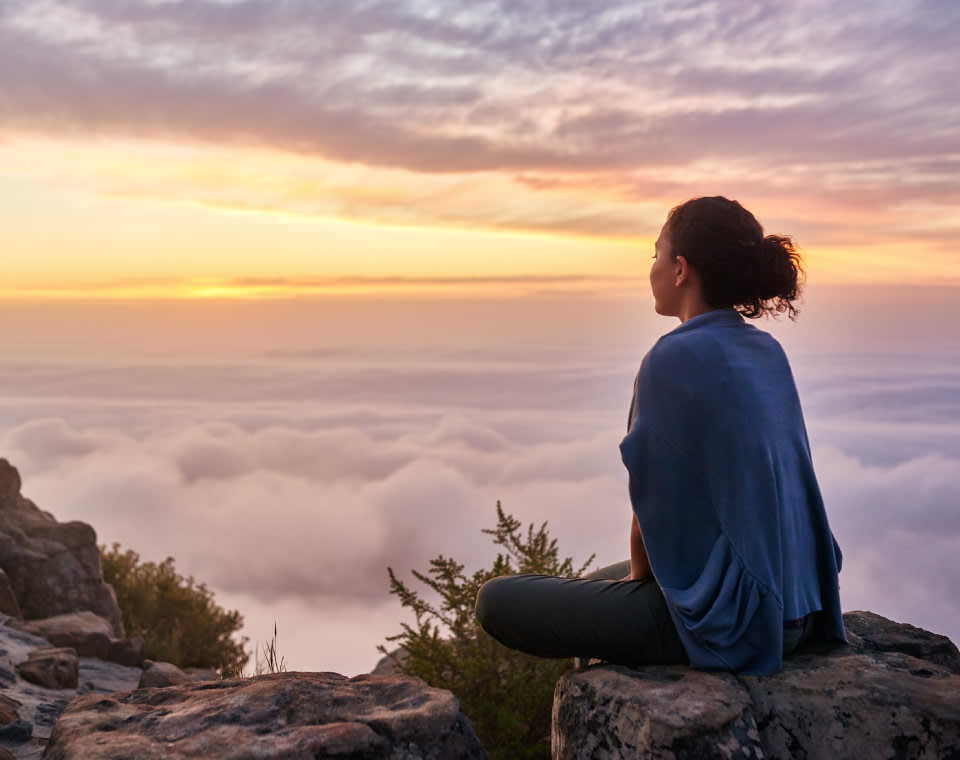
(599, 616)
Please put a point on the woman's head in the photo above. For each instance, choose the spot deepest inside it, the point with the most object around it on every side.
(736, 265)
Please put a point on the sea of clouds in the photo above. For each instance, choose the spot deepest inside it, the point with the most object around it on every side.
(286, 454)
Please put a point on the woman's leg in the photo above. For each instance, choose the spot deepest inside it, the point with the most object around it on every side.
(626, 622)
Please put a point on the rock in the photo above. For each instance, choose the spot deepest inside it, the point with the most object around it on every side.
(869, 632)
(665, 712)
(283, 715)
(390, 663)
(127, 652)
(53, 568)
(17, 731)
(202, 674)
(875, 698)
(161, 674)
(40, 707)
(9, 709)
(52, 668)
(88, 633)
(8, 599)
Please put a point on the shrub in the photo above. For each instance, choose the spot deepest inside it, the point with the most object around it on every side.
(176, 616)
(507, 695)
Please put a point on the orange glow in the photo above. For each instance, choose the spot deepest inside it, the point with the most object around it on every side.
(140, 219)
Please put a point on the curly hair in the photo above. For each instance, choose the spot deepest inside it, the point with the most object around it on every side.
(738, 266)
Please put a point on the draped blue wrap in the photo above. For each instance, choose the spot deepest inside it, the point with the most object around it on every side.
(722, 484)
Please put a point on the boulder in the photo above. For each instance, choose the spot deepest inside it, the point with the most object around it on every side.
(283, 715)
(52, 668)
(88, 633)
(161, 674)
(53, 568)
(894, 692)
(390, 663)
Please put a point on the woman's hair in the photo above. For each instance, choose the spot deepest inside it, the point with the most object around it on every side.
(738, 266)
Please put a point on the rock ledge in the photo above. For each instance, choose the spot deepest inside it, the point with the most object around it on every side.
(893, 692)
(284, 715)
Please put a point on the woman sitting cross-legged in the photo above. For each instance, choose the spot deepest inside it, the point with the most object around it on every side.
(732, 561)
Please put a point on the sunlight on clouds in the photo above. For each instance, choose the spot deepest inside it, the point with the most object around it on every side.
(135, 218)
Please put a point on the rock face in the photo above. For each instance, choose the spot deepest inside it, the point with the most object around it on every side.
(893, 692)
(53, 568)
(285, 715)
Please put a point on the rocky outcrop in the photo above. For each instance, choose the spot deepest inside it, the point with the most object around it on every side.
(893, 692)
(28, 712)
(285, 715)
(53, 568)
(89, 634)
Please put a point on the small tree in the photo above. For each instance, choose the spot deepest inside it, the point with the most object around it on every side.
(176, 616)
(507, 695)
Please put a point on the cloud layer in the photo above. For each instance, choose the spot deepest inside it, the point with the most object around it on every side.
(290, 480)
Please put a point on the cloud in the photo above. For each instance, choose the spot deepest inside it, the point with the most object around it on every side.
(289, 480)
(443, 88)
(829, 122)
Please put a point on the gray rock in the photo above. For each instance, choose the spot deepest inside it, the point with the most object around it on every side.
(390, 663)
(893, 693)
(52, 567)
(875, 705)
(90, 634)
(51, 667)
(283, 715)
(39, 708)
(607, 712)
(869, 632)
(161, 674)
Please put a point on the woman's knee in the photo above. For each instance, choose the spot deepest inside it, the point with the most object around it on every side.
(492, 600)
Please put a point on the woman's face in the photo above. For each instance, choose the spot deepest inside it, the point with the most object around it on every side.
(663, 277)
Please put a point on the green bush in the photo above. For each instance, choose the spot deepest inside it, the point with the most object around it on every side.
(507, 695)
(176, 616)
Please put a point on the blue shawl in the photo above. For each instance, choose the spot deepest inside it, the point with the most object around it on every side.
(722, 484)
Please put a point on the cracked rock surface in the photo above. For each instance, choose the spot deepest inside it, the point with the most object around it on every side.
(284, 715)
(893, 692)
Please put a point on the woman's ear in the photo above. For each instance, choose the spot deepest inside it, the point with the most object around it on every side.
(681, 270)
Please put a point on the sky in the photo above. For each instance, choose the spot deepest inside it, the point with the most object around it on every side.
(294, 291)
(251, 147)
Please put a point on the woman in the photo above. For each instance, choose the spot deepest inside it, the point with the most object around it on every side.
(732, 562)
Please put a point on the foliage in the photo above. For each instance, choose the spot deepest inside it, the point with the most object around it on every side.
(507, 695)
(176, 616)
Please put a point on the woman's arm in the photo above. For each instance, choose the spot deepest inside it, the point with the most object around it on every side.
(639, 562)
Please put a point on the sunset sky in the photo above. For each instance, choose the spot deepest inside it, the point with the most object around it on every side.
(254, 147)
(296, 290)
